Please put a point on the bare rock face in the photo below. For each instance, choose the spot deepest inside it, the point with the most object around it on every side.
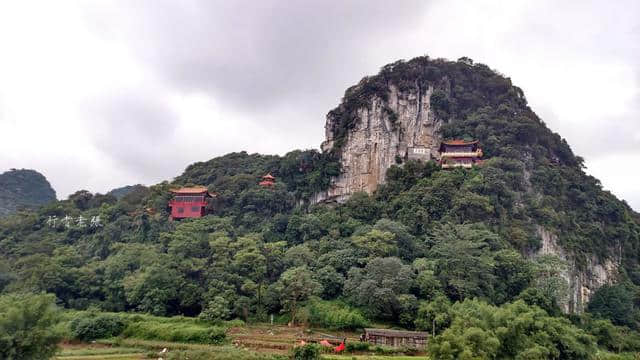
(386, 132)
(582, 281)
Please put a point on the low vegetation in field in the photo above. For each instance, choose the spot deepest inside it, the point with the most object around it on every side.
(187, 333)
(101, 357)
(336, 315)
(91, 325)
(86, 349)
(224, 353)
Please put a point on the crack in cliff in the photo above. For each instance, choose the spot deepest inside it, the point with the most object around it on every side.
(418, 114)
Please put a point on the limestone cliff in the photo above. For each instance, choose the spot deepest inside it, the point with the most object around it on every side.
(583, 281)
(386, 132)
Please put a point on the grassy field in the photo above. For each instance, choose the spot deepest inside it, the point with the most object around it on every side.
(100, 351)
(187, 338)
(134, 356)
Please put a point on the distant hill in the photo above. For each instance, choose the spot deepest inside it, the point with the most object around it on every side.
(123, 191)
(23, 189)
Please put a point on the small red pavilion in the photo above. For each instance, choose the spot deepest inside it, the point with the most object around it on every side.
(459, 153)
(268, 180)
(189, 202)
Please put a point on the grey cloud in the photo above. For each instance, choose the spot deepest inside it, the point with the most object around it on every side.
(286, 63)
(136, 132)
(257, 54)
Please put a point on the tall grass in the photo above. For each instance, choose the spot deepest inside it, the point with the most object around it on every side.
(336, 315)
(175, 332)
(90, 325)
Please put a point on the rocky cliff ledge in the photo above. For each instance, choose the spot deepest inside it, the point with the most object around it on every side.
(385, 132)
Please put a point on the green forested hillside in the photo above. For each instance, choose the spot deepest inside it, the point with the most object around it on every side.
(22, 190)
(442, 251)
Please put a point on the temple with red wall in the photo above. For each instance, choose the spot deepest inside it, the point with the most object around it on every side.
(189, 202)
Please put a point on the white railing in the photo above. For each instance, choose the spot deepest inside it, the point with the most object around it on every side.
(462, 154)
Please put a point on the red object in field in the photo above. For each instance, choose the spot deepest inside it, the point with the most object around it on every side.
(189, 202)
(325, 343)
(268, 180)
(339, 348)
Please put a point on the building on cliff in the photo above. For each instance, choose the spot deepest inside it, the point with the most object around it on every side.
(459, 153)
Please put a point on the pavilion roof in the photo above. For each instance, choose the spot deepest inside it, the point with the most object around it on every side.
(194, 190)
(459, 142)
(395, 333)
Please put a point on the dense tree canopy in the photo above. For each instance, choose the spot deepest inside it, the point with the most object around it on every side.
(430, 249)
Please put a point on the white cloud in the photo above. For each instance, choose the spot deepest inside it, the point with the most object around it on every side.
(625, 184)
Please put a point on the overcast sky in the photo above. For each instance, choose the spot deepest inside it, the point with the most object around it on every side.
(100, 94)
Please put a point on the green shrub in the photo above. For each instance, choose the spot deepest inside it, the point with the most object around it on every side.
(91, 326)
(611, 337)
(216, 311)
(357, 346)
(385, 350)
(336, 315)
(306, 352)
(27, 324)
(611, 356)
(176, 332)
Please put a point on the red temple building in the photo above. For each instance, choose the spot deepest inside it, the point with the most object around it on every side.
(189, 202)
(459, 153)
(268, 180)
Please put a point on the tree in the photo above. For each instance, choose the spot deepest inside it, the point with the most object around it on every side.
(548, 279)
(513, 274)
(513, 331)
(464, 260)
(377, 243)
(296, 286)
(434, 315)
(616, 303)
(428, 284)
(154, 289)
(250, 263)
(363, 207)
(216, 310)
(27, 327)
(378, 286)
(406, 310)
(331, 281)
(611, 337)
(299, 255)
(404, 241)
